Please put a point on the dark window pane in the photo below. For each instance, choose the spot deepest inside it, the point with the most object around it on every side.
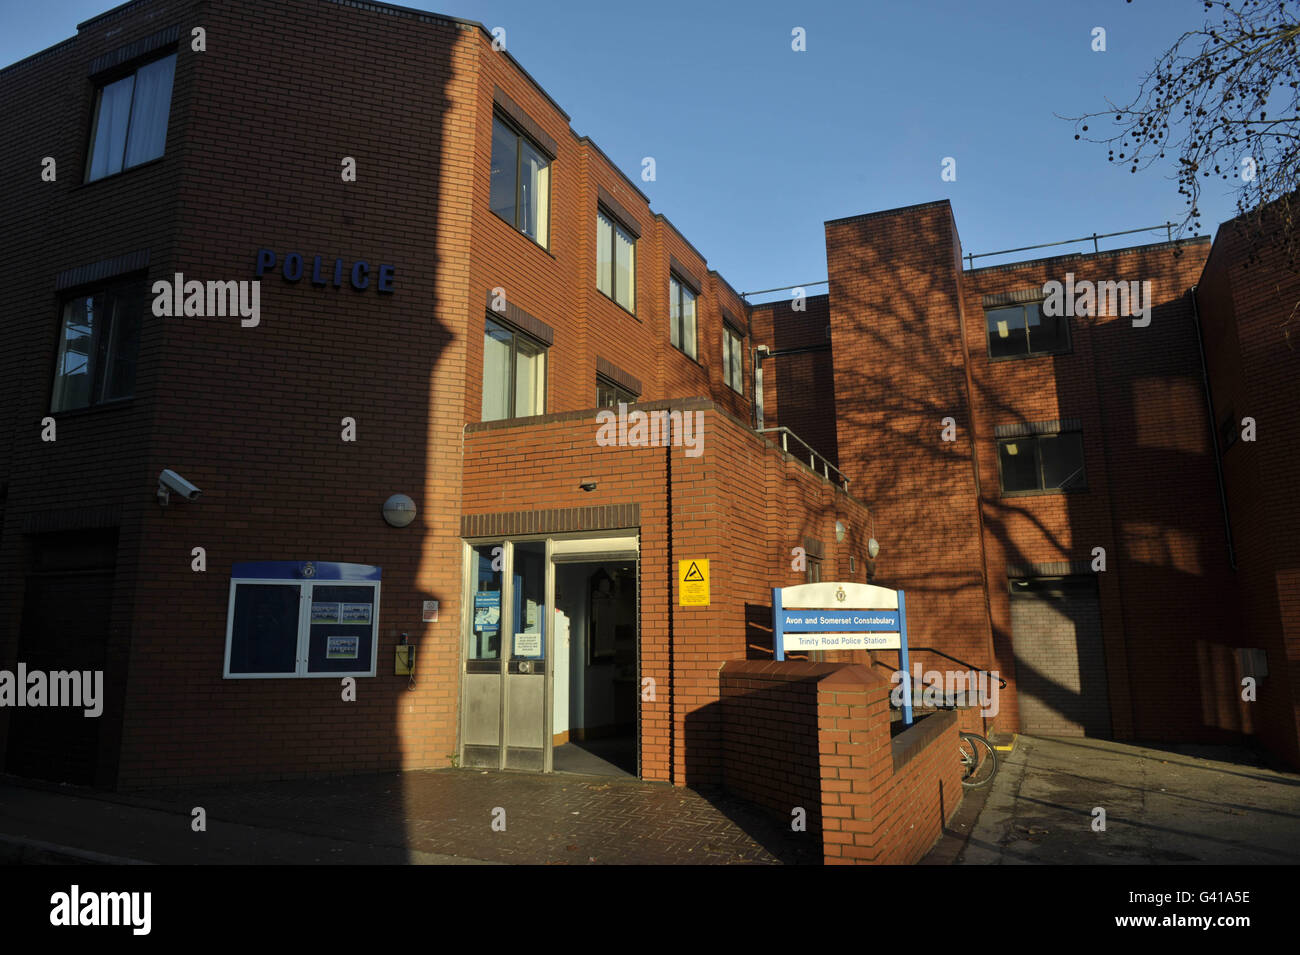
(149, 108)
(72, 374)
(112, 116)
(1019, 470)
(505, 171)
(121, 336)
(1006, 331)
(1046, 334)
(264, 633)
(1062, 457)
(98, 347)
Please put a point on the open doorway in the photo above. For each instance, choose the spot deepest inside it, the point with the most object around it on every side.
(595, 695)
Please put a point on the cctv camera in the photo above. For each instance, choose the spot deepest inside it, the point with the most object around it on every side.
(762, 349)
(170, 481)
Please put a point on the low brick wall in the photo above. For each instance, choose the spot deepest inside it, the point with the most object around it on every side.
(817, 736)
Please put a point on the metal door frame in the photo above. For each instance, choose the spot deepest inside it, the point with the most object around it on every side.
(468, 581)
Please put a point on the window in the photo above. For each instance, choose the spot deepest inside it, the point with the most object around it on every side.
(514, 374)
(98, 343)
(615, 261)
(521, 181)
(279, 626)
(485, 633)
(130, 125)
(813, 570)
(1044, 462)
(733, 363)
(609, 395)
(681, 316)
(1018, 331)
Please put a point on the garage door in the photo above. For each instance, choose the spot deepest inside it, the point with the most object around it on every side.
(1060, 663)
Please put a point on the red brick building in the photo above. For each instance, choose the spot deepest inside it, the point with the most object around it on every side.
(480, 242)
(453, 285)
(1100, 580)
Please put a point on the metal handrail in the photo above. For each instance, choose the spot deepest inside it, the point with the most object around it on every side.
(970, 257)
(968, 666)
(813, 456)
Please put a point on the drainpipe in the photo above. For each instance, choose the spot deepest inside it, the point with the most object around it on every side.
(760, 352)
(1214, 432)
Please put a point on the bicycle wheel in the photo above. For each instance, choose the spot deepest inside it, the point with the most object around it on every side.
(979, 760)
(968, 755)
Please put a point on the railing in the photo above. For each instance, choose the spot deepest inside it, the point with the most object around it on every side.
(970, 257)
(968, 666)
(812, 455)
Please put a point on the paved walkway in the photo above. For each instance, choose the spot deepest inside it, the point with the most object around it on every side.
(439, 816)
(1178, 805)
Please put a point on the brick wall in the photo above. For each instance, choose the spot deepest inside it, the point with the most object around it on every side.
(1246, 313)
(817, 736)
(896, 320)
(741, 504)
(799, 389)
(258, 126)
(1151, 501)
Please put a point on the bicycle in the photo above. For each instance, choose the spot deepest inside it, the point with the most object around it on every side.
(979, 760)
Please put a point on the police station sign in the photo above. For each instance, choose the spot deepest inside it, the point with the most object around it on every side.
(841, 616)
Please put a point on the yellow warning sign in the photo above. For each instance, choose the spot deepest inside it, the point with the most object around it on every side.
(693, 582)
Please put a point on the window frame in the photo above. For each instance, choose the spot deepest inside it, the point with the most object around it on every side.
(107, 79)
(1066, 349)
(616, 226)
(736, 340)
(683, 289)
(1038, 465)
(620, 393)
(521, 136)
(515, 335)
(302, 647)
(99, 358)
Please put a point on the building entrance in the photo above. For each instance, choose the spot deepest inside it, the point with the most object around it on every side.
(549, 656)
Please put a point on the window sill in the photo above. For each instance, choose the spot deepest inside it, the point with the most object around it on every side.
(1046, 492)
(1031, 357)
(522, 234)
(120, 173)
(115, 404)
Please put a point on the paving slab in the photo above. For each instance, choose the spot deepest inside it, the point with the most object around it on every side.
(436, 816)
(1174, 805)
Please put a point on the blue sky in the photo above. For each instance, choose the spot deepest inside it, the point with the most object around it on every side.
(756, 145)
